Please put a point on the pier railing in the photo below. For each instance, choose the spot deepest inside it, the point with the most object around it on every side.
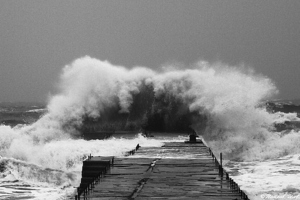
(93, 169)
(232, 184)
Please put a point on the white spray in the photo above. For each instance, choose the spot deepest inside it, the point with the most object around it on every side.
(228, 96)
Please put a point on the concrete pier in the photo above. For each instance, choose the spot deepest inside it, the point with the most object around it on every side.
(195, 174)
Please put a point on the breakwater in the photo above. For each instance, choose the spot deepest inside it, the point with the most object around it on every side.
(137, 176)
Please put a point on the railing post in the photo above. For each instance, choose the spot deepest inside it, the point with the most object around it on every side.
(78, 192)
(221, 165)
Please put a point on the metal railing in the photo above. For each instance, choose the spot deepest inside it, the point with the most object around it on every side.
(232, 184)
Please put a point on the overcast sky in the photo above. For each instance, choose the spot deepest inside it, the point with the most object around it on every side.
(38, 38)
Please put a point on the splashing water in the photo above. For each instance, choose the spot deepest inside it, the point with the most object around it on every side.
(236, 122)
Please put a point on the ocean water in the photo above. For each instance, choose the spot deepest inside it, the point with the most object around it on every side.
(41, 152)
(53, 171)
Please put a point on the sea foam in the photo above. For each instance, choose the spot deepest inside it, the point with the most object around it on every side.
(229, 98)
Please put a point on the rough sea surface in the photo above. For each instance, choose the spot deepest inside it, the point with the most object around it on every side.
(41, 151)
(58, 175)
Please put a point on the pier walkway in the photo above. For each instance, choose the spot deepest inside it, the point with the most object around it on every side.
(193, 175)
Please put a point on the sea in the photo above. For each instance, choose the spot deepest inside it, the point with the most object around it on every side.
(41, 151)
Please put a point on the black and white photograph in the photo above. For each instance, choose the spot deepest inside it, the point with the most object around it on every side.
(149, 99)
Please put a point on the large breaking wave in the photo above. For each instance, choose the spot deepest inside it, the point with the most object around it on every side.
(224, 105)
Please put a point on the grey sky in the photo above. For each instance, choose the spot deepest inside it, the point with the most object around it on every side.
(37, 38)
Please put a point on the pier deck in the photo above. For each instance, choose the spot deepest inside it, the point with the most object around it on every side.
(193, 175)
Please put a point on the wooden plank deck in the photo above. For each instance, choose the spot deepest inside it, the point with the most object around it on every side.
(161, 177)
